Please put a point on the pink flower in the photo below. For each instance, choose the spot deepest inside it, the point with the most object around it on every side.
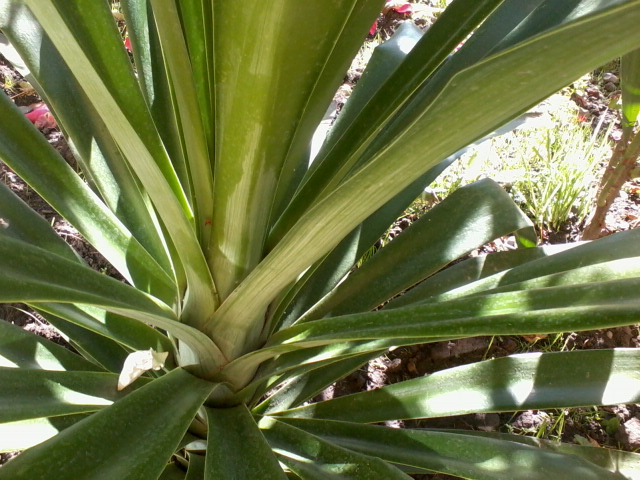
(40, 116)
(395, 5)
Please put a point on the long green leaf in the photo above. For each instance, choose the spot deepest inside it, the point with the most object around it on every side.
(187, 110)
(236, 448)
(259, 105)
(47, 173)
(152, 76)
(321, 278)
(96, 348)
(33, 431)
(125, 331)
(470, 271)
(95, 149)
(306, 383)
(172, 472)
(630, 83)
(474, 457)
(24, 350)
(37, 280)
(543, 310)
(104, 337)
(440, 133)
(481, 212)
(40, 393)
(197, 24)
(123, 110)
(131, 439)
(518, 382)
(345, 45)
(626, 463)
(337, 159)
(581, 263)
(314, 458)
(196, 467)
(21, 222)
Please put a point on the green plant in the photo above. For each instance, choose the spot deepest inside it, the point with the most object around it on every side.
(236, 308)
(549, 167)
(555, 187)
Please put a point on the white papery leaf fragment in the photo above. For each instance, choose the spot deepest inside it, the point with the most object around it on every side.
(139, 362)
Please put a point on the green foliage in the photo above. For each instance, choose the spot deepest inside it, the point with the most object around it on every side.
(238, 253)
(548, 167)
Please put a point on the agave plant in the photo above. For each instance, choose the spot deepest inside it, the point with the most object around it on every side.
(241, 301)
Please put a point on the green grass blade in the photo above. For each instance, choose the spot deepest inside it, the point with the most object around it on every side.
(519, 382)
(474, 457)
(236, 448)
(116, 442)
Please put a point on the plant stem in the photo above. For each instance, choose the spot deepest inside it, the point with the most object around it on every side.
(620, 170)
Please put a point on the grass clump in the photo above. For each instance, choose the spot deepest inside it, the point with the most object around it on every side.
(548, 167)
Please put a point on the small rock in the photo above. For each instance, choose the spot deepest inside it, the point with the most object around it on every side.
(593, 92)
(610, 78)
(530, 420)
(411, 366)
(629, 433)
(610, 87)
(394, 365)
(580, 98)
(404, 223)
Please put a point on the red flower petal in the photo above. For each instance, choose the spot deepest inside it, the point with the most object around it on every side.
(406, 8)
(38, 110)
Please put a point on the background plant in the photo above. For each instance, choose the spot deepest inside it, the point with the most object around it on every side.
(240, 302)
(548, 164)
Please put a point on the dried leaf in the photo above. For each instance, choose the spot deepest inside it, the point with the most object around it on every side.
(139, 362)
